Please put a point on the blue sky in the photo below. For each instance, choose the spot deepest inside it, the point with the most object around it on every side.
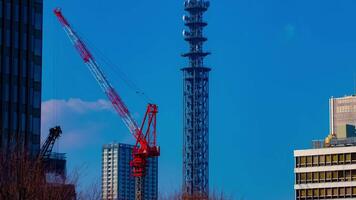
(275, 64)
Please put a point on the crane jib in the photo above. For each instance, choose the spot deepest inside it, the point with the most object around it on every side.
(145, 146)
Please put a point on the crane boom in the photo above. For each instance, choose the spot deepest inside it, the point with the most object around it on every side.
(46, 149)
(146, 146)
(98, 74)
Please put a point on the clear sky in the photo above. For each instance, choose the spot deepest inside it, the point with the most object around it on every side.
(275, 64)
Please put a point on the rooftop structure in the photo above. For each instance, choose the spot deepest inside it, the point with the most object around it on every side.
(342, 112)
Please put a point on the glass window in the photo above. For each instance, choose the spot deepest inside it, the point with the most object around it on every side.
(8, 11)
(6, 92)
(315, 160)
(328, 159)
(23, 95)
(348, 175)
(8, 38)
(38, 47)
(37, 73)
(14, 93)
(322, 160)
(7, 65)
(335, 158)
(15, 68)
(329, 192)
(341, 158)
(6, 119)
(335, 175)
(315, 177)
(38, 21)
(14, 121)
(23, 122)
(348, 158)
(36, 125)
(322, 192)
(328, 176)
(348, 191)
(24, 10)
(24, 68)
(16, 39)
(303, 161)
(24, 41)
(16, 14)
(335, 192)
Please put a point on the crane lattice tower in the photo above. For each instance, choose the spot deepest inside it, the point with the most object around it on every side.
(196, 106)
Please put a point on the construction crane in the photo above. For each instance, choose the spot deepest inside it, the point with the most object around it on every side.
(47, 147)
(145, 135)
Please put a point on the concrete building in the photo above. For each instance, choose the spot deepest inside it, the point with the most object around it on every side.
(117, 181)
(20, 74)
(325, 173)
(342, 112)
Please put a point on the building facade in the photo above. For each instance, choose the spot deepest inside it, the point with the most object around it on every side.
(342, 112)
(20, 74)
(325, 173)
(117, 180)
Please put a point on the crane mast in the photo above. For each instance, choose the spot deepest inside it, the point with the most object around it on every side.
(145, 135)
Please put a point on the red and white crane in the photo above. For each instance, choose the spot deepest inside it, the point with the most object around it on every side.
(145, 135)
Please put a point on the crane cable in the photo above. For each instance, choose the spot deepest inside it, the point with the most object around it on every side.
(99, 55)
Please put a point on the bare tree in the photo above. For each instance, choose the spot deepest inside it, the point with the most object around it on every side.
(22, 177)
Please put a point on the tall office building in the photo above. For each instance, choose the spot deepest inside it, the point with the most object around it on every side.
(117, 180)
(342, 112)
(20, 74)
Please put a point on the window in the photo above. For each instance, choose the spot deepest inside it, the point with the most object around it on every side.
(36, 125)
(38, 47)
(341, 158)
(303, 161)
(38, 21)
(348, 158)
(322, 160)
(14, 121)
(37, 100)
(328, 176)
(335, 158)
(328, 159)
(315, 160)
(8, 11)
(315, 177)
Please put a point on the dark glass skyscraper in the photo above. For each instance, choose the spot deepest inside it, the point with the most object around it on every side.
(20, 74)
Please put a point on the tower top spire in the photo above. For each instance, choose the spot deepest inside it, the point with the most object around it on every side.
(194, 33)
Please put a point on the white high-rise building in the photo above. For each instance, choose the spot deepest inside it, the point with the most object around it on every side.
(117, 180)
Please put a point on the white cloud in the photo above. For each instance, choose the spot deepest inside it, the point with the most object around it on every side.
(58, 107)
(69, 114)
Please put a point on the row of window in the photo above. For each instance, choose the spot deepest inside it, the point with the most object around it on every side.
(326, 193)
(12, 12)
(324, 160)
(34, 122)
(329, 176)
